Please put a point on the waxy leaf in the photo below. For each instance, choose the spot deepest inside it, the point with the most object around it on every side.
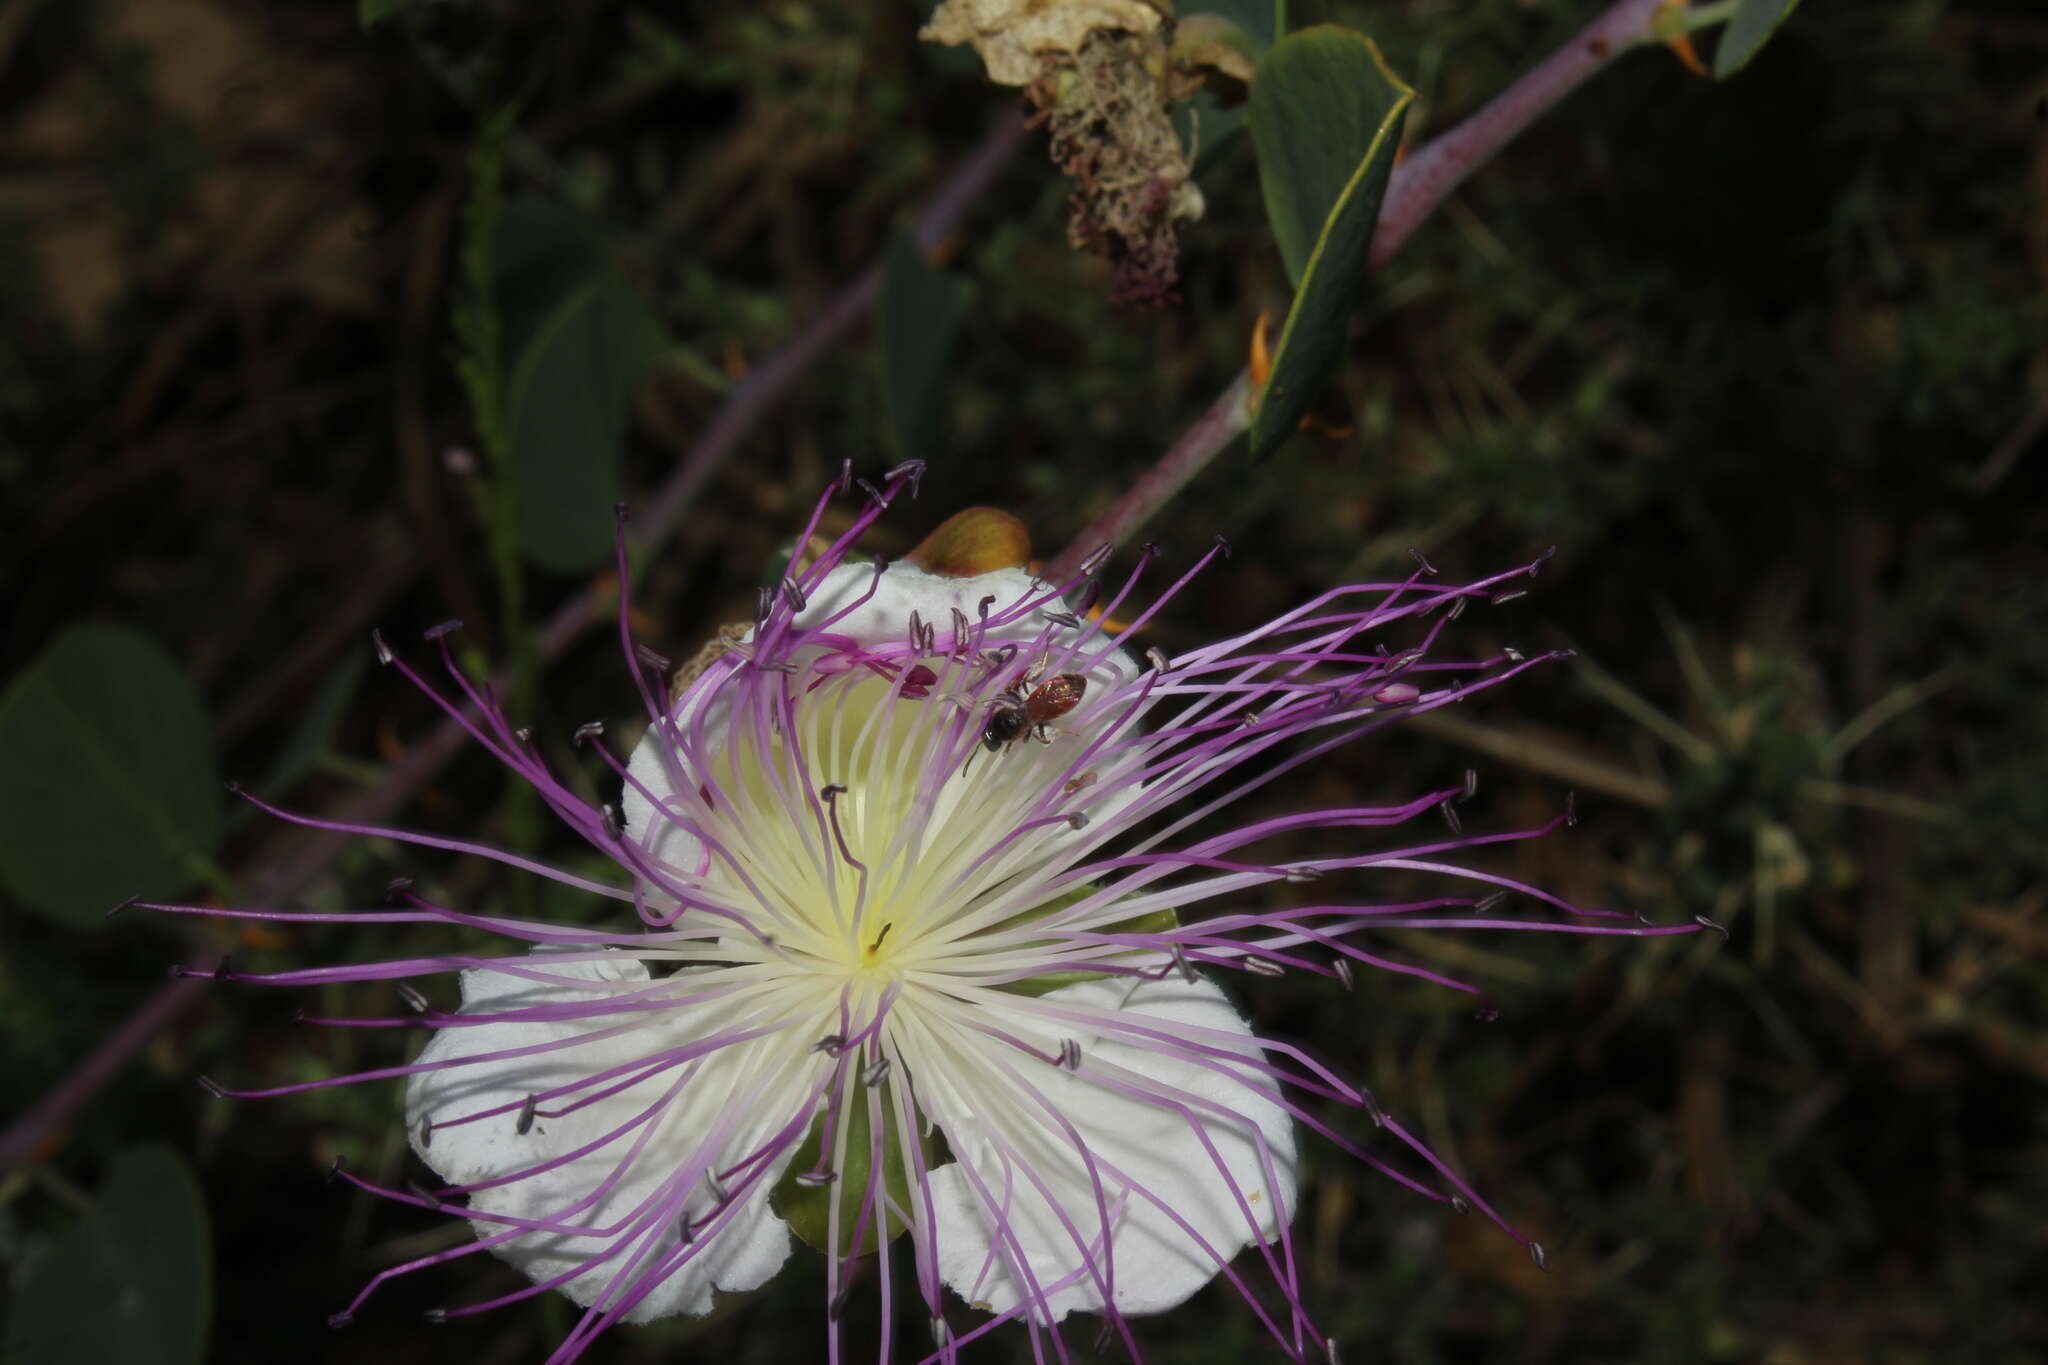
(1751, 26)
(1326, 117)
(579, 339)
(108, 789)
(130, 1281)
(920, 311)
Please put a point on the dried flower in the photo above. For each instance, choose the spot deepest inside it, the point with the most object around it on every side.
(915, 933)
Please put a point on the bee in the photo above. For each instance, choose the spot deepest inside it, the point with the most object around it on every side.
(1017, 713)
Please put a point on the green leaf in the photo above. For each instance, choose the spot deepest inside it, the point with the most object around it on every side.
(131, 1281)
(370, 13)
(808, 1208)
(920, 312)
(108, 789)
(1748, 30)
(1260, 21)
(1326, 118)
(582, 339)
(310, 734)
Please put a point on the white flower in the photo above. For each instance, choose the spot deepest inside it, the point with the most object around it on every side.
(918, 937)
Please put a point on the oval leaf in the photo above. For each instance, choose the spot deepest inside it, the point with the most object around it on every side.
(109, 789)
(131, 1281)
(579, 339)
(1326, 116)
(1751, 26)
(921, 308)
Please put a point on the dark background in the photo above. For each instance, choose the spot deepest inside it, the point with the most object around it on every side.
(1758, 357)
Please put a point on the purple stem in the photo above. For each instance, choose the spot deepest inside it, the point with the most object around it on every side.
(653, 520)
(19, 1142)
(1423, 180)
(656, 517)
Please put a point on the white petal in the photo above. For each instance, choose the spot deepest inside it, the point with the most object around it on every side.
(742, 1255)
(1157, 1263)
(882, 619)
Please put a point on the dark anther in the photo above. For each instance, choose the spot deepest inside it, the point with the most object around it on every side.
(1330, 1349)
(1081, 783)
(1224, 546)
(1486, 1014)
(340, 1320)
(831, 1044)
(941, 1333)
(653, 658)
(764, 601)
(1259, 966)
(445, 628)
(613, 827)
(426, 1132)
(122, 906)
(1510, 595)
(874, 493)
(410, 994)
(334, 1171)
(1150, 550)
(1560, 655)
(1703, 922)
(981, 607)
(526, 1112)
(1539, 1256)
(1571, 809)
(1490, 901)
(876, 946)
(911, 472)
(1374, 1112)
(621, 511)
(1097, 557)
(224, 970)
(837, 1307)
(384, 655)
(1070, 1055)
(845, 480)
(436, 1316)
(423, 1194)
(397, 887)
(793, 593)
(212, 1087)
(1304, 873)
(1106, 1337)
(1342, 967)
(1064, 618)
(1471, 783)
(524, 734)
(1457, 609)
(816, 1179)
(1513, 655)
(1423, 563)
(959, 627)
(875, 1074)
(686, 1230)
(234, 786)
(1542, 559)
(1460, 1204)
(1450, 815)
(588, 731)
(1077, 820)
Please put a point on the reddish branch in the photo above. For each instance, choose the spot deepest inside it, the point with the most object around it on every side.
(1419, 184)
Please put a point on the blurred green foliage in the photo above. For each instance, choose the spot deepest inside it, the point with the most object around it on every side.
(1754, 354)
